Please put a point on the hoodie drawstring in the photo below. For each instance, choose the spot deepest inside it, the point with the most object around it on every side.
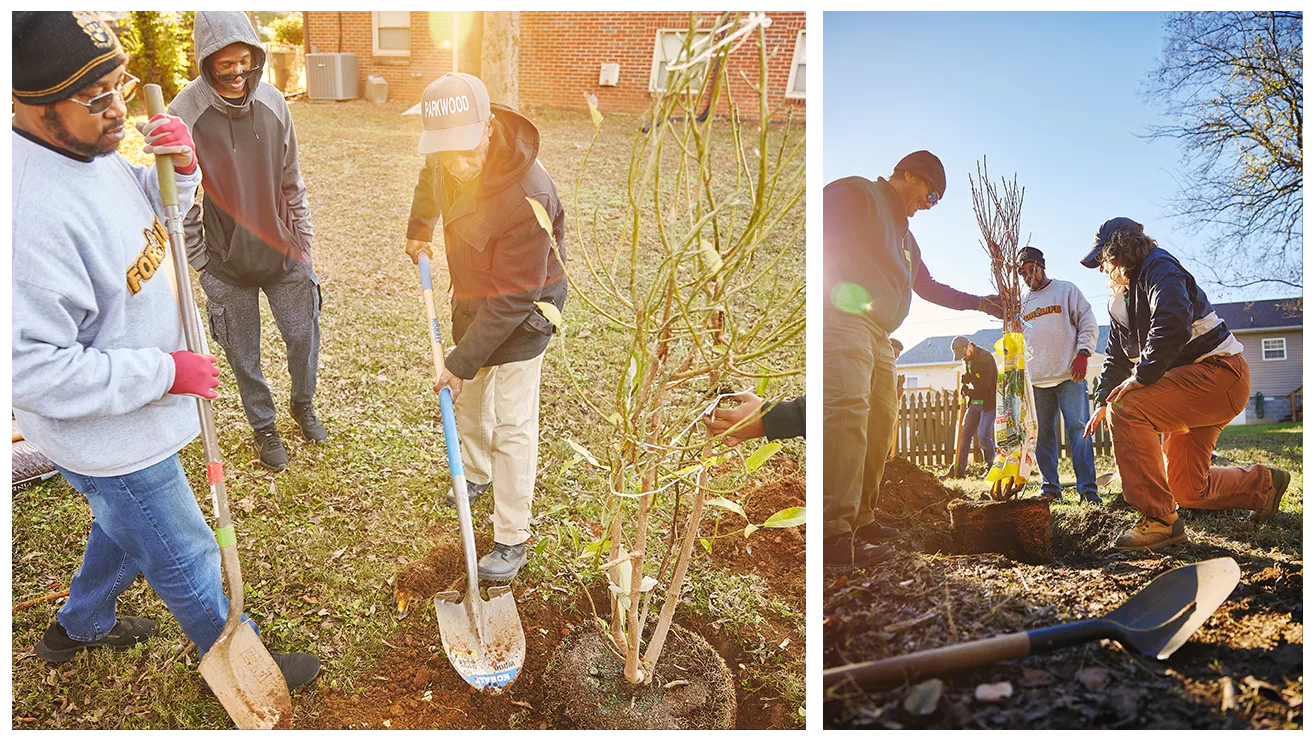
(232, 135)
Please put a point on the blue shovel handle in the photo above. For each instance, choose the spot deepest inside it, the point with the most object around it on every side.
(452, 436)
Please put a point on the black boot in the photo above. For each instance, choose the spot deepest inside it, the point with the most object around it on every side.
(472, 490)
(269, 446)
(846, 552)
(503, 563)
(297, 669)
(876, 533)
(57, 647)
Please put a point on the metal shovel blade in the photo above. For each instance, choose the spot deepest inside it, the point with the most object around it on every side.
(484, 640)
(242, 674)
(1160, 618)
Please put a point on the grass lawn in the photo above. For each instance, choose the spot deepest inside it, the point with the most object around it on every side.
(321, 542)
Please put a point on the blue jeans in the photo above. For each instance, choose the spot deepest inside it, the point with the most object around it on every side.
(1071, 399)
(977, 424)
(146, 522)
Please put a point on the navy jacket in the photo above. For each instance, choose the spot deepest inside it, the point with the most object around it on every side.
(1163, 304)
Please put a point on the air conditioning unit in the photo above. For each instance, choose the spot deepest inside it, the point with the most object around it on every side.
(332, 76)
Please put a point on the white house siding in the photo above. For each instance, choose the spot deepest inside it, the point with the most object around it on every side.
(1275, 379)
(946, 375)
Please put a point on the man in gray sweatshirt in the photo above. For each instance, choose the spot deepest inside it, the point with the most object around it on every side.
(100, 368)
(1061, 332)
(251, 231)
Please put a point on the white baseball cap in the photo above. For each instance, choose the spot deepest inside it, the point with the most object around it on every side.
(455, 109)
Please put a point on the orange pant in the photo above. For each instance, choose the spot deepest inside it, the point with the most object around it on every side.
(1189, 407)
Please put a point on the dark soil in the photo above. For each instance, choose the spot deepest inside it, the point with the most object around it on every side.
(1250, 650)
(778, 555)
(692, 688)
(1020, 528)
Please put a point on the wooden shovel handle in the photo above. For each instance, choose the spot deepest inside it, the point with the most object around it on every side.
(916, 666)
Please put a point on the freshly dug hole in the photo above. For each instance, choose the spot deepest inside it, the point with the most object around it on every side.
(587, 690)
(1020, 529)
(1082, 532)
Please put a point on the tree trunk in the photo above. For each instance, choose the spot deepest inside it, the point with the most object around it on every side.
(501, 57)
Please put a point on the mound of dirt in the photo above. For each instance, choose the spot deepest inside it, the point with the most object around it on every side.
(778, 555)
(441, 569)
(692, 688)
(908, 491)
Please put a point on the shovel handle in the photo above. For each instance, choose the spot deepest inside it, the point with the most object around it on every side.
(916, 666)
(168, 181)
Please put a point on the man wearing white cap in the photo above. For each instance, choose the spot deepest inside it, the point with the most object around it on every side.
(480, 171)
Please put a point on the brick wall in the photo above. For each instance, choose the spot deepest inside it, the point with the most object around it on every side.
(560, 55)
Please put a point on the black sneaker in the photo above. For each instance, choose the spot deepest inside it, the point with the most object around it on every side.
(474, 490)
(311, 428)
(269, 446)
(1091, 497)
(57, 647)
(503, 563)
(846, 552)
(297, 669)
(876, 533)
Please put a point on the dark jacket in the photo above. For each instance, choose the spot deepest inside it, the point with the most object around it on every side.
(1163, 303)
(254, 222)
(867, 242)
(980, 383)
(785, 419)
(499, 256)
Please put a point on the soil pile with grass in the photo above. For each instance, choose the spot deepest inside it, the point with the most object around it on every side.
(777, 555)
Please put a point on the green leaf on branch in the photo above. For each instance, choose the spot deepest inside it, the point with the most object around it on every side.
(761, 384)
(543, 219)
(706, 543)
(592, 107)
(583, 452)
(763, 453)
(747, 531)
(724, 503)
(794, 516)
(550, 311)
(710, 256)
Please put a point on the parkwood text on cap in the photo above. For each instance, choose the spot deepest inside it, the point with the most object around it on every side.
(455, 110)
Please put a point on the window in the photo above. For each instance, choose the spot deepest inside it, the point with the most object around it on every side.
(669, 47)
(391, 33)
(1273, 349)
(913, 381)
(797, 74)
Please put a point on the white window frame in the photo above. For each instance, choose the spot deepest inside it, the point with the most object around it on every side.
(388, 52)
(799, 58)
(1283, 347)
(658, 53)
(912, 382)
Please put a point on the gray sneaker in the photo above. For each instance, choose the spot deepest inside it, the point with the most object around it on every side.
(503, 563)
(474, 490)
(311, 428)
(269, 446)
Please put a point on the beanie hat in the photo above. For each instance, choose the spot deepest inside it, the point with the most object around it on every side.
(1105, 232)
(57, 54)
(927, 167)
(1031, 254)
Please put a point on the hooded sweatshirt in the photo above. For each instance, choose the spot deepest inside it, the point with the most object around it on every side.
(253, 222)
(499, 256)
(95, 312)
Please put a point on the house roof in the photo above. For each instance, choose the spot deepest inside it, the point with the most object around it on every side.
(1268, 314)
(937, 350)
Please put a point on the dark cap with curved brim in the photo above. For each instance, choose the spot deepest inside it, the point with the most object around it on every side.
(455, 110)
(927, 167)
(959, 345)
(1105, 232)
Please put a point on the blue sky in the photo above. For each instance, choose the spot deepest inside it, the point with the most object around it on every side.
(1052, 97)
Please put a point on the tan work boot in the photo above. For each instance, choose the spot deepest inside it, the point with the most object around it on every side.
(1152, 532)
(1279, 483)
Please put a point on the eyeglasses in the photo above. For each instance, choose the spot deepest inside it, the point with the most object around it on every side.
(932, 197)
(238, 75)
(125, 90)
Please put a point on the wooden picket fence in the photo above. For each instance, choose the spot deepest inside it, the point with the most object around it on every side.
(927, 428)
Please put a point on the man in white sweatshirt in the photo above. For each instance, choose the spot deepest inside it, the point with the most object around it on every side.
(100, 368)
(1061, 332)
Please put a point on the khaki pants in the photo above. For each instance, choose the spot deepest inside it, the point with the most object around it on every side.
(860, 402)
(1189, 407)
(497, 414)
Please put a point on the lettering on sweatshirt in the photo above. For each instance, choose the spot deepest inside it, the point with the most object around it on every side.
(148, 262)
(1046, 310)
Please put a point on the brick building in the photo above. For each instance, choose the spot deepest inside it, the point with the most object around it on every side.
(561, 53)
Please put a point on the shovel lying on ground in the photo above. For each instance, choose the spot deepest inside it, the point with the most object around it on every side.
(484, 640)
(1155, 622)
(237, 667)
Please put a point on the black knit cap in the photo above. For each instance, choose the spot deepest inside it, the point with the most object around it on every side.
(1031, 254)
(56, 54)
(927, 167)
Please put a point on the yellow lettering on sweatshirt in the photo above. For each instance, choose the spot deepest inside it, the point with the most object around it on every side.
(147, 263)
(1032, 315)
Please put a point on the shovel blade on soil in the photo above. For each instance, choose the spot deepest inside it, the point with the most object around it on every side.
(1160, 618)
(242, 674)
(484, 640)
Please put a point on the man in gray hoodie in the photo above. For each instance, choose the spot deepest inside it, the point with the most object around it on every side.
(100, 368)
(251, 231)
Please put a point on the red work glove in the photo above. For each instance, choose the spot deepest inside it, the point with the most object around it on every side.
(1079, 366)
(194, 375)
(167, 134)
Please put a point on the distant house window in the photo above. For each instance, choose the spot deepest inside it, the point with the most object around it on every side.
(391, 33)
(1273, 349)
(669, 49)
(797, 74)
(913, 381)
